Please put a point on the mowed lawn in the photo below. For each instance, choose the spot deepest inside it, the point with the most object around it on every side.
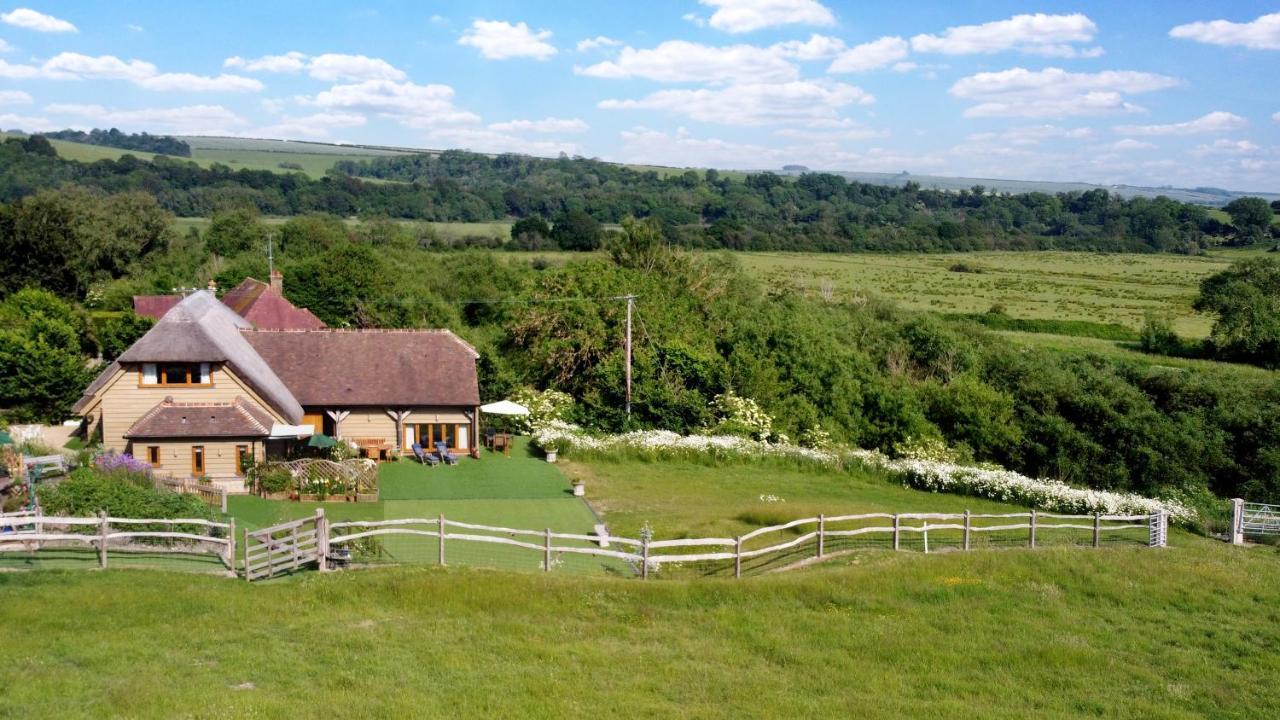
(1186, 632)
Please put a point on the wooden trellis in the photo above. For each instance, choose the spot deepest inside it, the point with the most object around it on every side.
(356, 478)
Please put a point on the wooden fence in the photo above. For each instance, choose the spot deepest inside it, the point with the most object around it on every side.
(212, 495)
(32, 532)
(648, 555)
(284, 548)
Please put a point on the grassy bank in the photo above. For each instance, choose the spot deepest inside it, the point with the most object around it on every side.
(1184, 632)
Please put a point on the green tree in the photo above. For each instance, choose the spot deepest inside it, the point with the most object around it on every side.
(344, 286)
(309, 234)
(117, 333)
(1251, 216)
(530, 233)
(42, 367)
(234, 231)
(1246, 300)
(576, 230)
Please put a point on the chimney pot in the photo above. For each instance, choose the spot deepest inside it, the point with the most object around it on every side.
(277, 282)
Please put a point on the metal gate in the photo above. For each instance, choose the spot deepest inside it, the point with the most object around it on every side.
(1260, 519)
(284, 548)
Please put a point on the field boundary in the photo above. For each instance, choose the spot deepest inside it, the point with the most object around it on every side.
(33, 532)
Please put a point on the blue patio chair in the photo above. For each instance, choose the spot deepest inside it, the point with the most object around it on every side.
(443, 451)
(424, 457)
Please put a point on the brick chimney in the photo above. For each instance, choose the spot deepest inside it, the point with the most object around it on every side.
(277, 282)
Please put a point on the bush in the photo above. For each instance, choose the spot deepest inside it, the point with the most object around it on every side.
(89, 490)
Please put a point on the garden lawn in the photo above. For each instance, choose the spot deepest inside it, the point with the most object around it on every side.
(1187, 632)
(519, 475)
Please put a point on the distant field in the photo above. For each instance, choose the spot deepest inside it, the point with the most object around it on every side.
(1104, 288)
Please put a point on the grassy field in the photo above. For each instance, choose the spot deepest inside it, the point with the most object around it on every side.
(1102, 288)
(1181, 633)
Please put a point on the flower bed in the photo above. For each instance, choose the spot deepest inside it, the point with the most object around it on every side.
(921, 474)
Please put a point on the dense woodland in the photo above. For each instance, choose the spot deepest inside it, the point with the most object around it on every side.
(863, 372)
(815, 212)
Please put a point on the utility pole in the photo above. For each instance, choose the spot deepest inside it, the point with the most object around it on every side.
(631, 300)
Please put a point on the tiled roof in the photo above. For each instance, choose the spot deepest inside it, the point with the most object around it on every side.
(169, 419)
(154, 306)
(267, 309)
(371, 367)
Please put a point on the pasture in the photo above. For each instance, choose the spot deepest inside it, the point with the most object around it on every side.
(1097, 287)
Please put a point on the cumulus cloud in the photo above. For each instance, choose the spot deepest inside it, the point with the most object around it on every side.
(75, 66)
(545, 125)
(598, 42)
(500, 40)
(683, 61)
(29, 19)
(14, 97)
(740, 16)
(317, 125)
(1275, 117)
(870, 56)
(796, 102)
(406, 102)
(189, 119)
(1127, 145)
(1054, 92)
(1260, 34)
(817, 47)
(490, 141)
(330, 67)
(1214, 122)
(1227, 147)
(5, 47)
(1038, 34)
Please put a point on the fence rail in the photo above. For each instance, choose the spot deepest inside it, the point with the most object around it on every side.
(212, 495)
(1256, 519)
(31, 532)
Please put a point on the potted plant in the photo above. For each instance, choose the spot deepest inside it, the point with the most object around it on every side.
(551, 453)
(579, 487)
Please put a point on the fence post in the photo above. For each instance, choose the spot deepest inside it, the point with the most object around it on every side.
(822, 534)
(1097, 529)
(737, 557)
(546, 551)
(1031, 543)
(103, 529)
(924, 533)
(247, 578)
(322, 540)
(231, 546)
(224, 501)
(966, 529)
(644, 560)
(1237, 521)
(897, 532)
(440, 528)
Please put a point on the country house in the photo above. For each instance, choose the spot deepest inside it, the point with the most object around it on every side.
(205, 391)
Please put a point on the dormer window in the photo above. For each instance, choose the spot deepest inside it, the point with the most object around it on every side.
(176, 374)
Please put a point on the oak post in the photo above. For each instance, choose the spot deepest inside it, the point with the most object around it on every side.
(322, 540)
(231, 545)
(1097, 529)
(897, 531)
(967, 528)
(103, 530)
(246, 556)
(822, 533)
(1031, 542)
(546, 551)
(737, 557)
(440, 523)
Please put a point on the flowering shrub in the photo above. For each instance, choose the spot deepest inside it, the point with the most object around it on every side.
(741, 416)
(1008, 486)
(544, 407)
(570, 438)
(111, 461)
(816, 438)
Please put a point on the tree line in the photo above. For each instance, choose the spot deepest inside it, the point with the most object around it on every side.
(763, 211)
(143, 142)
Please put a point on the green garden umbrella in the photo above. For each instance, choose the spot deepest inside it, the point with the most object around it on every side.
(5, 439)
(320, 440)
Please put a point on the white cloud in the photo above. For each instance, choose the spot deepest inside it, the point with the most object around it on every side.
(1275, 117)
(189, 119)
(1261, 34)
(644, 145)
(694, 18)
(1214, 122)
(1128, 144)
(843, 131)
(29, 19)
(406, 102)
(1036, 134)
(5, 47)
(683, 61)
(1054, 92)
(817, 47)
(597, 43)
(482, 140)
(75, 66)
(1227, 147)
(870, 56)
(800, 101)
(740, 16)
(13, 121)
(289, 62)
(500, 40)
(546, 125)
(134, 27)
(317, 125)
(1038, 34)
(14, 97)
(331, 67)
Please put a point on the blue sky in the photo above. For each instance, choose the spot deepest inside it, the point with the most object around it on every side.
(1179, 93)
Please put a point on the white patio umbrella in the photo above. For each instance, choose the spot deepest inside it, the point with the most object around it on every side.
(504, 407)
